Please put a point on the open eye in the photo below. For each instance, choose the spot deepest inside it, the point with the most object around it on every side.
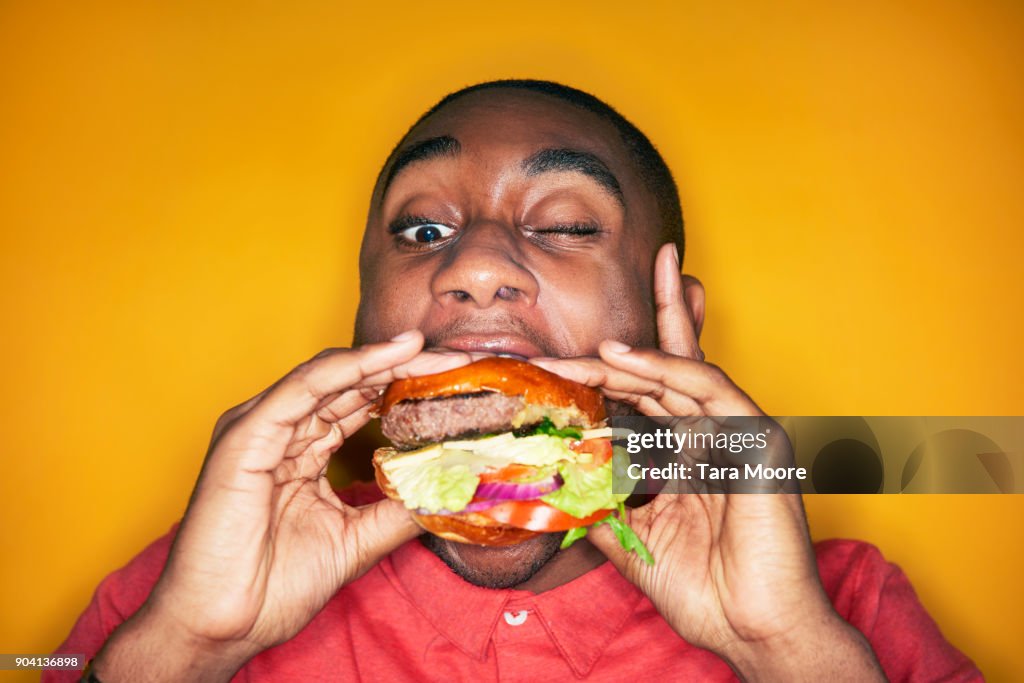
(425, 233)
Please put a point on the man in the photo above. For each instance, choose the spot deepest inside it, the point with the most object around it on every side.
(528, 218)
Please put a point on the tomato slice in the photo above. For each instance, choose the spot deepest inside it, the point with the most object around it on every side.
(509, 473)
(600, 449)
(536, 515)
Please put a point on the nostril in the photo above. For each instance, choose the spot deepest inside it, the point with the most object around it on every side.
(507, 293)
(461, 295)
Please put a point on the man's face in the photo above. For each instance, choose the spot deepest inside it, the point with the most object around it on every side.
(510, 222)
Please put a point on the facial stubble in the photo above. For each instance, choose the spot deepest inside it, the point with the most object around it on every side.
(497, 568)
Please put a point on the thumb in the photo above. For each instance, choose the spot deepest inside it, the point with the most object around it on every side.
(373, 532)
(605, 540)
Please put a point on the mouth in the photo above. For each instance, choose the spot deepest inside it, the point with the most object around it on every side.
(499, 344)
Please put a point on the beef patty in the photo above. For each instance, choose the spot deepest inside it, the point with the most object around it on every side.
(415, 423)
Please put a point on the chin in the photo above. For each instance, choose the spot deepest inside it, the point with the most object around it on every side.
(496, 567)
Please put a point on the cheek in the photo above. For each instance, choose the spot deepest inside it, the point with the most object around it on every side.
(632, 321)
(599, 303)
(390, 304)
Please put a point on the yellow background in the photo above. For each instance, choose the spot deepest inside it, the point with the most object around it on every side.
(182, 188)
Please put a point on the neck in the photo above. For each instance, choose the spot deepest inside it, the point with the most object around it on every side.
(565, 566)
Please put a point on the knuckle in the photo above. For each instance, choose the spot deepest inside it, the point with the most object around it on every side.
(230, 415)
(300, 377)
(647, 354)
(330, 351)
(226, 417)
(718, 377)
(714, 371)
(302, 370)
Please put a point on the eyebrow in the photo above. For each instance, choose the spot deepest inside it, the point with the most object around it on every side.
(551, 160)
(564, 160)
(432, 148)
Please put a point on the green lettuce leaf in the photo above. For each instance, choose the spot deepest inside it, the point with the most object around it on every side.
(584, 492)
(627, 537)
(573, 535)
(546, 426)
(434, 487)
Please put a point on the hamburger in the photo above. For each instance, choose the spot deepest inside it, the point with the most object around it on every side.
(499, 451)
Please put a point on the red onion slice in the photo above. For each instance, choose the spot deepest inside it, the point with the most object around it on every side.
(499, 490)
(495, 492)
(479, 505)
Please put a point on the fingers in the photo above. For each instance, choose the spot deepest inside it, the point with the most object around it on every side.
(702, 382)
(337, 407)
(656, 383)
(425, 363)
(337, 387)
(678, 327)
(594, 372)
(302, 390)
(647, 395)
(314, 408)
(259, 439)
(369, 379)
(307, 456)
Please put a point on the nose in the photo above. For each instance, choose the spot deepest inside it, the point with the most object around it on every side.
(484, 267)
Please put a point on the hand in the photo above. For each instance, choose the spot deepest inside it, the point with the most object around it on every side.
(733, 573)
(265, 542)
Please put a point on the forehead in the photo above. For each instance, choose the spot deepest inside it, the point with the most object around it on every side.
(499, 123)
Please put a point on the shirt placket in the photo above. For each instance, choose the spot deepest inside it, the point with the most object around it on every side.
(523, 647)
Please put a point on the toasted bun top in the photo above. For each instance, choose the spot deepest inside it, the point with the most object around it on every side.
(504, 375)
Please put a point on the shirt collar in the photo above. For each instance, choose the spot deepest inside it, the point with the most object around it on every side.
(581, 616)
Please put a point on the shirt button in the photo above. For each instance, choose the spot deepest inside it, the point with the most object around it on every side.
(517, 619)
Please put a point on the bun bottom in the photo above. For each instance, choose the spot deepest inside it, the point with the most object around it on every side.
(473, 528)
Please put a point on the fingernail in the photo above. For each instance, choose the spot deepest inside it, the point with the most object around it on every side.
(617, 346)
(404, 337)
(675, 252)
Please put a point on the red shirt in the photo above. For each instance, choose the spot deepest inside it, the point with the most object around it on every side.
(411, 619)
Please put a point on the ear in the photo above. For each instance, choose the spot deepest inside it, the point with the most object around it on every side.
(693, 295)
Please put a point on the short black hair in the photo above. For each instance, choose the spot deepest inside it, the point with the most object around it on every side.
(654, 172)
